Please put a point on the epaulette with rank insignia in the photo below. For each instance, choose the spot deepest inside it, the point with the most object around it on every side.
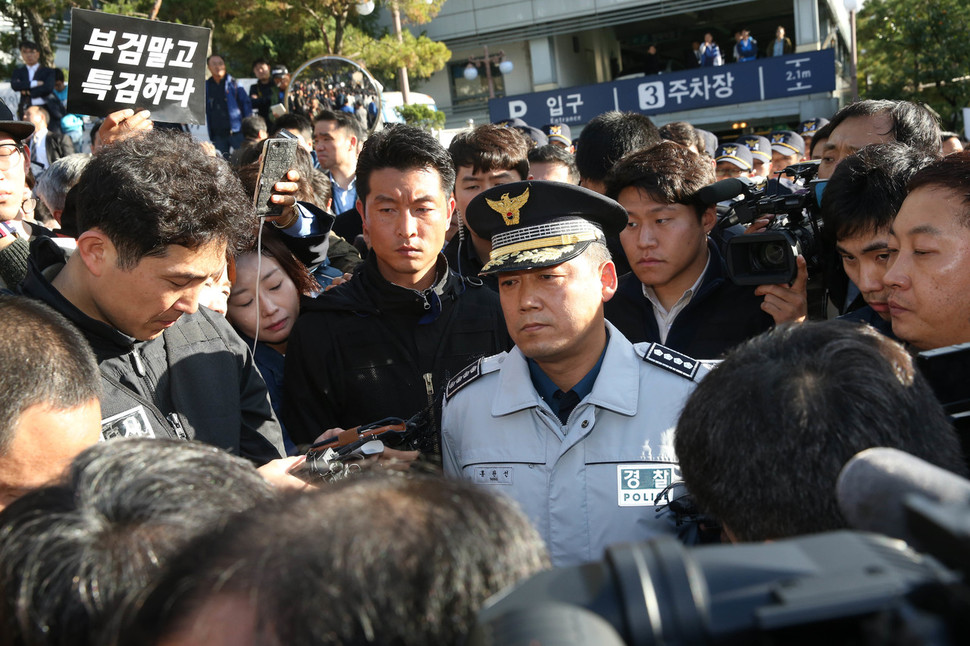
(661, 355)
(463, 378)
(472, 372)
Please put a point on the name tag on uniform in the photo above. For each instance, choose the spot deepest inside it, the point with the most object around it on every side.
(638, 485)
(492, 475)
(131, 423)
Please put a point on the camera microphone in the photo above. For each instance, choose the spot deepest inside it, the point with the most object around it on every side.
(874, 484)
(722, 190)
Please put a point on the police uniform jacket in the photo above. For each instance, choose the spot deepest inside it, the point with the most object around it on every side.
(719, 316)
(591, 482)
(369, 349)
(195, 381)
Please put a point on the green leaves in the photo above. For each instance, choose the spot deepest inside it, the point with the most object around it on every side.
(914, 49)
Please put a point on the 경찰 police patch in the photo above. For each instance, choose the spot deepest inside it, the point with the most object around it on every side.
(638, 485)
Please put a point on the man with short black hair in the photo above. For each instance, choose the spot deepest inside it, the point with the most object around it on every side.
(605, 139)
(253, 131)
(876, 122)
(678, 292)
(763, 438)
(226, 105)
(33, 81)
(298, 125)
(682, 133)
(155, 217)
(50, 408)
(337, 138)
(860, 201)
(553, 163)
(929, 257)
(263, 93)
(490, 155)
(384, 343)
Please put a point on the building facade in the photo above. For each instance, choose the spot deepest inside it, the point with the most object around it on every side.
(560, 44)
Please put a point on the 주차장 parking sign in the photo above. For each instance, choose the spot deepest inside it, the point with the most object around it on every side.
(119, 62)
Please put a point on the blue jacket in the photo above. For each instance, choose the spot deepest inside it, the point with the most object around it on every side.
(226, 105)
(589, 482)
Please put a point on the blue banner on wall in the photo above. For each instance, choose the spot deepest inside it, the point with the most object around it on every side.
(702, 87)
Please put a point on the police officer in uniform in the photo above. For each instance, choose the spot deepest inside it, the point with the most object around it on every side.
(575, 422)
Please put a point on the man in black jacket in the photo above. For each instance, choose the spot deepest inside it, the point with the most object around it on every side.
(678, 293)
(33, 81)
(155, 216)
(385, 343)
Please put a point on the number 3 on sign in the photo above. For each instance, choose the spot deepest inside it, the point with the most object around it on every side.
(651, 95)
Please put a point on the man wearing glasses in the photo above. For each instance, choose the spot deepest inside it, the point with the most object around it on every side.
(14, 162)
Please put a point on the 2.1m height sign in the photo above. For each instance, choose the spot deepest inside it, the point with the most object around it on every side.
(702, 87)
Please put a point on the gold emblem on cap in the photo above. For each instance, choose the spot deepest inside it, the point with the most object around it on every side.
(508, 208)
(730, 150)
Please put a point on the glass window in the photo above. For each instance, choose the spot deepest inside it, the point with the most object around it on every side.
(464, 92)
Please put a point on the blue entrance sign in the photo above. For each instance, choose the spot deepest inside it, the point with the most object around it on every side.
(702, 87)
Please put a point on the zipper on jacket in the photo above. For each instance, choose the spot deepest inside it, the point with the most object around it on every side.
(139, 366)
(429, 388)
(177, 426)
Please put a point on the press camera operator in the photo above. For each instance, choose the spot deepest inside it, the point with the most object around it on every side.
(678, 293)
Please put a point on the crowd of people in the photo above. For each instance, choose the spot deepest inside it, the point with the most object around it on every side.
(553, 321)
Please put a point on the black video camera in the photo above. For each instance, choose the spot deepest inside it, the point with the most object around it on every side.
(768, 257)
(837, 588)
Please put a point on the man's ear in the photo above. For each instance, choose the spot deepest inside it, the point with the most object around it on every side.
(608, 279)
(360, 209)
(95, 251)
(451, 209)
(709, 218)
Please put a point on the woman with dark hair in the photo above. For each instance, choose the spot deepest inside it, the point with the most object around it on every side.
(264, 304)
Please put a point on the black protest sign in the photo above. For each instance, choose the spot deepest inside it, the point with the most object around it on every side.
(119, 62)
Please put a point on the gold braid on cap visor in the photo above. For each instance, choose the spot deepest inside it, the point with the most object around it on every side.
(539, 243)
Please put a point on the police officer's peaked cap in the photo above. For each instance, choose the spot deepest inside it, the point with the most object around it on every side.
(558, 132)
(787, 143)
(759, 146)
(736, 153)
(810, 126)
(539, 223)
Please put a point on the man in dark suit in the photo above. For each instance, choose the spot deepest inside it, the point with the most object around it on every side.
(33, 81)
(46, 147)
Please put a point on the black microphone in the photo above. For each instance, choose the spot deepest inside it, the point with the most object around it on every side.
(722, 190)
(873, 485)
